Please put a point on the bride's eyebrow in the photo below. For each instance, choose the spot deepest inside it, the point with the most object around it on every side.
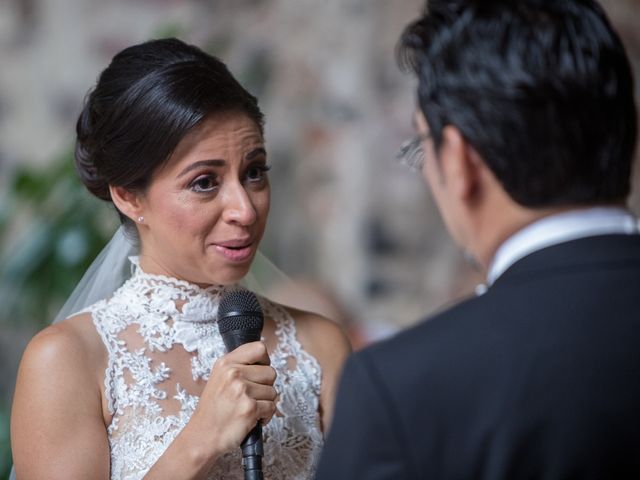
(255, 153)
(200, 164)
(219, 163)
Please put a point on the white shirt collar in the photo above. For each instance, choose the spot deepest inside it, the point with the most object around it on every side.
(560, 228)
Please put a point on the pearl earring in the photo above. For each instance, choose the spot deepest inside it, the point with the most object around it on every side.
(140, 219)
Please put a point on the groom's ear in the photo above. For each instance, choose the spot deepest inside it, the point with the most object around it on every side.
(460, 165)
(126, 201)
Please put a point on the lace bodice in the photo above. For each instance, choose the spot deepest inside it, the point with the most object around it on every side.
(162, 341)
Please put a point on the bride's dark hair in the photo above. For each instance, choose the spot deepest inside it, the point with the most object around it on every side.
(143, 104)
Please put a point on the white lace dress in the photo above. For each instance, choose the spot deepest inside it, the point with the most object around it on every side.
(162, 341)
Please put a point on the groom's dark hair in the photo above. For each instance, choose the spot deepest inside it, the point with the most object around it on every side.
(542, 89)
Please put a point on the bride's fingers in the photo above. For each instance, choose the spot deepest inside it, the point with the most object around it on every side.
(259, 374)
(266, 410)
(258, 391)
(248, 354)
(241, 374)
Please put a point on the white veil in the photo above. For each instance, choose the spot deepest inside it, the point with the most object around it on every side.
(108, 271)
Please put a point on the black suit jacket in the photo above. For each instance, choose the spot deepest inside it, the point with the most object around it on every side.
(539, 378)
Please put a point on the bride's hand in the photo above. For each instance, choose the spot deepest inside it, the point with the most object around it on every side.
(239, 394)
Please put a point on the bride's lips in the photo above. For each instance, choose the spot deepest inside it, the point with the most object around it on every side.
(237, 250)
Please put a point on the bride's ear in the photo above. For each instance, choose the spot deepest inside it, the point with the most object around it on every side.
(127, 202)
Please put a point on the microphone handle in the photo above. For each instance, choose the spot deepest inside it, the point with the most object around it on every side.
(252, 453)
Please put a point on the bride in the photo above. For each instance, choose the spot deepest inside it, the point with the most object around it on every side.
(138, 384)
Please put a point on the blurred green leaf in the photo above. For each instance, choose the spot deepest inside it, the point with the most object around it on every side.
(52, 230)
(5, 445)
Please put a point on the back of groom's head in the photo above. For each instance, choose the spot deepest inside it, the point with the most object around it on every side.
(542, 89)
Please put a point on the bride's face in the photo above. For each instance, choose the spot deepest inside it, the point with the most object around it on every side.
(205, 210)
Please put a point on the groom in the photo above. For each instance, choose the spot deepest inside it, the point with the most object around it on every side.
(526, 127)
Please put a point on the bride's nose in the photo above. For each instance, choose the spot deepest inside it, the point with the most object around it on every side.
(238, 207)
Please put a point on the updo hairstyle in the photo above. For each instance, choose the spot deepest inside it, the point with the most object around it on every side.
(143, 104)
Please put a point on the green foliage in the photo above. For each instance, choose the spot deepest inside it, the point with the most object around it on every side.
(52, 229)
(5, 449)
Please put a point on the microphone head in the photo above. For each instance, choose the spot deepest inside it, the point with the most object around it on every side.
(240, 318)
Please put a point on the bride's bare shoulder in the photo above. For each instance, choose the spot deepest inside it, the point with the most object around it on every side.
(72, 343)
(57, 409)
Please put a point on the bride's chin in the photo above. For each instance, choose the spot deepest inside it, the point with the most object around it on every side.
(229, 276)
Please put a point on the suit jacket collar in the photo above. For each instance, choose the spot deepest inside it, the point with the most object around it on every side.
(559, 228)
(583, 253)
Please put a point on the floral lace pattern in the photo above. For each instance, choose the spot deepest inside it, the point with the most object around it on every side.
(162, 341)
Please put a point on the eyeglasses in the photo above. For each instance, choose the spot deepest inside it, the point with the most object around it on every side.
(411, 152)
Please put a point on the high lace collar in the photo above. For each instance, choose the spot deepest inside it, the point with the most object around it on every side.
(177, 299)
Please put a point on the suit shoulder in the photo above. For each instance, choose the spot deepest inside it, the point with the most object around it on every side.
(451, 335)
(439, 325)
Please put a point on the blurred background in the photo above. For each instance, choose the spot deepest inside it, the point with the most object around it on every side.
(358, 232)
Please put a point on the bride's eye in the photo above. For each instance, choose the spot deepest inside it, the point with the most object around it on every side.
(203, 183)
(257, 172)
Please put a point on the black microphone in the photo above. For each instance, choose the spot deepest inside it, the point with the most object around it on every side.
(240, 321)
